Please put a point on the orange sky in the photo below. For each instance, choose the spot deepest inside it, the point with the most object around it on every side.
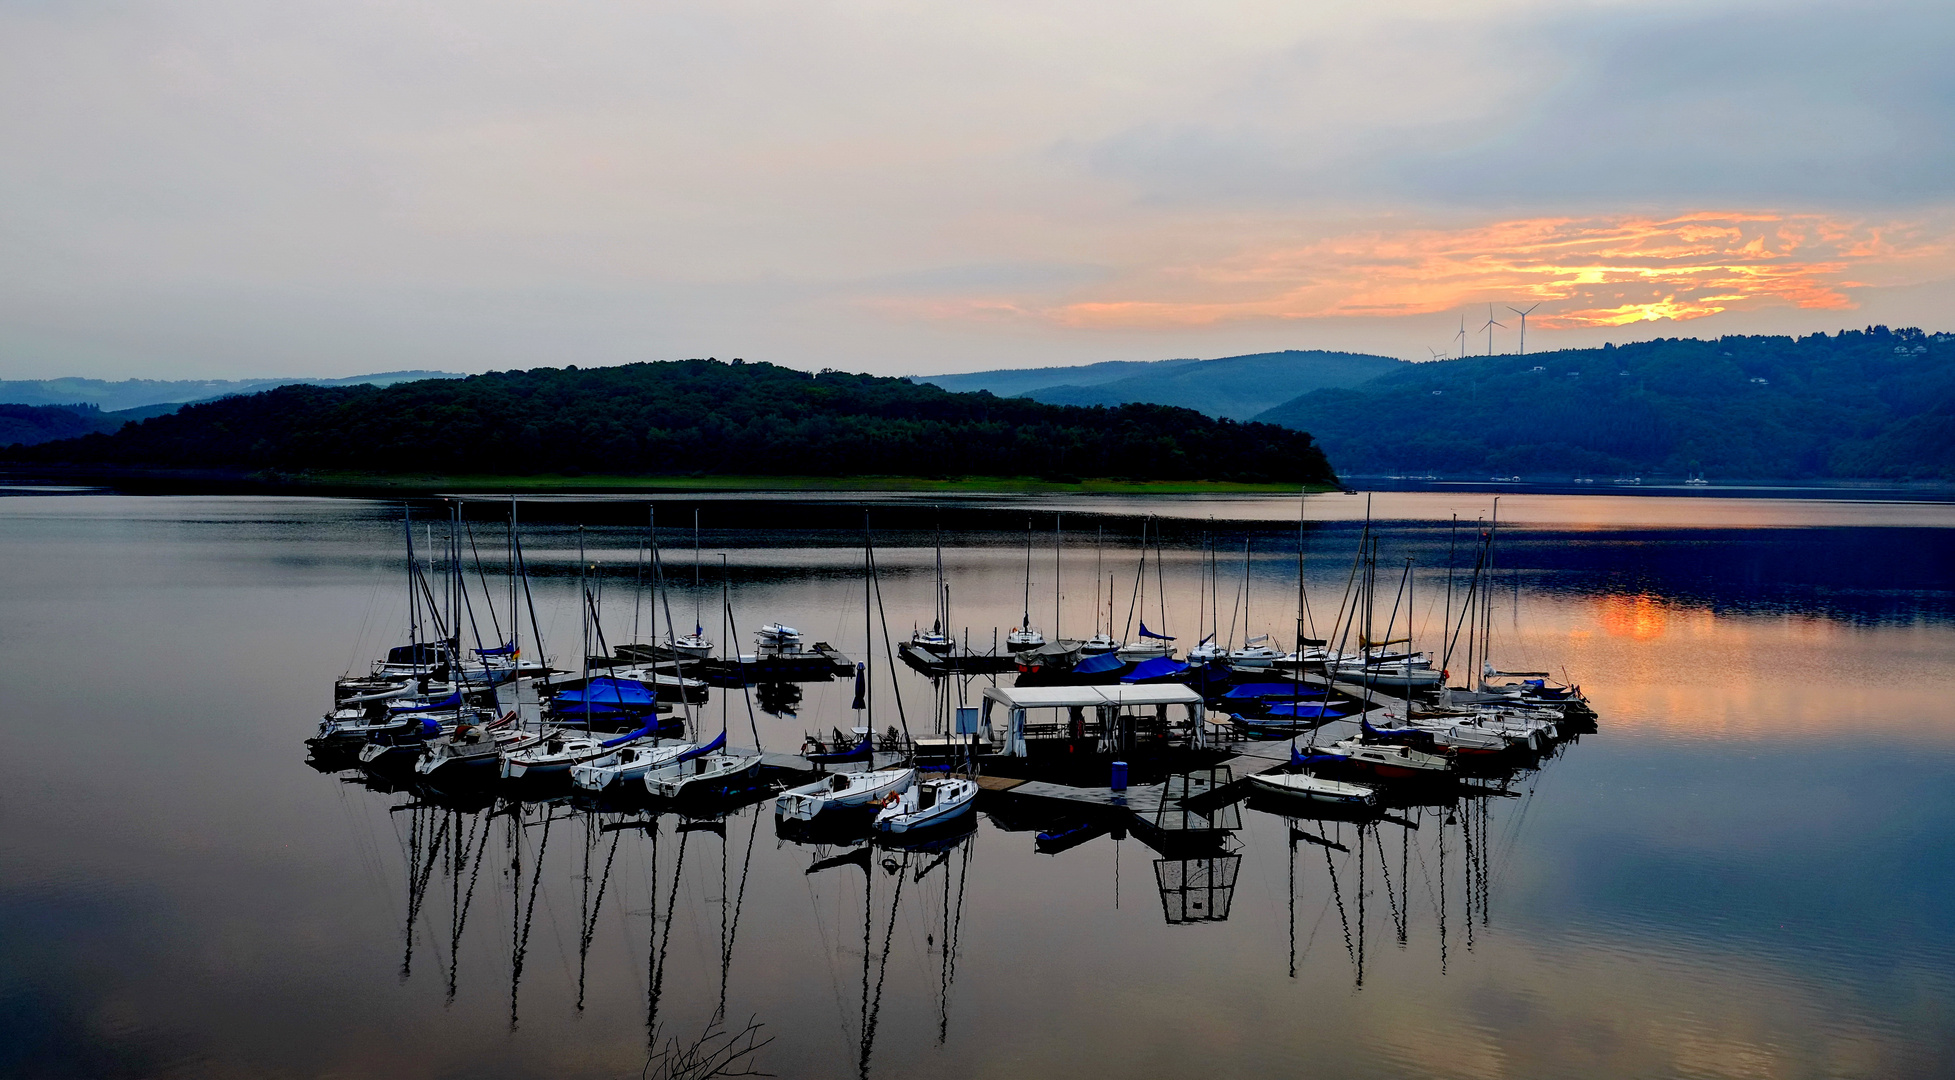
(1584, 272)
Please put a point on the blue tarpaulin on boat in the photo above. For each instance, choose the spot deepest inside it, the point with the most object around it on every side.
(1303, 760)
(718, 743)
(1145, 632)
(609, 692)
(642, 732)
(1271, 690)
(1395, 731)
(1315, 709)
(1095, 665)
(1161, 667)
(500, 650)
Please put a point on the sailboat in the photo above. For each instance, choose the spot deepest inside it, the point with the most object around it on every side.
(839, 794)
(1149, 644)
(710, 771)
(695, 645)
(1102, 641)
(1314, 788)
(937, 639)
(927, 803)
(1024, 637)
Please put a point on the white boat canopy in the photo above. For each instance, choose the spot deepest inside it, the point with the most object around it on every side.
(1108, 701)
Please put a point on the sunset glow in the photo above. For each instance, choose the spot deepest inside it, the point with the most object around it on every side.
(1590, 272)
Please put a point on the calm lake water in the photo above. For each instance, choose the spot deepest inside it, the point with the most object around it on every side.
(1748, 871)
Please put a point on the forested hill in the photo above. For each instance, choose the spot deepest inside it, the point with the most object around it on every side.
(1868, 403)
(1237, 387)
(692, 417)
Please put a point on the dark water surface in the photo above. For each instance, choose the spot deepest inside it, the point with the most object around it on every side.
(1748, 871)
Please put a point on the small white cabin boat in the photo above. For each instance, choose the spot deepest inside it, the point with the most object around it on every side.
(840, 791)
(927, 803)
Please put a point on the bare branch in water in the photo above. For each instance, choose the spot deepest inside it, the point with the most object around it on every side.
(717, 1052)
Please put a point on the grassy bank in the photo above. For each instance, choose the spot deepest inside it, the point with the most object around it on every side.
(162, 481)
(964, 485)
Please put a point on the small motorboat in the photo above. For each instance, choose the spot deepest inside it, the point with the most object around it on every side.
(935, 642)
(841, 791)
(1024, 639)
(927, 802)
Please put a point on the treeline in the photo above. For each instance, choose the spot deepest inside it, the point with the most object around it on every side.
(1873, 403)
(692, 417)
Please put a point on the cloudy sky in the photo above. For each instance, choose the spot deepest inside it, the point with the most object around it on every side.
(212, 188)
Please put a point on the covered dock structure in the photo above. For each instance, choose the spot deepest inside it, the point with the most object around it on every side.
(1109, 719)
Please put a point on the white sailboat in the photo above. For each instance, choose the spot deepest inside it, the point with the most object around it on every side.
(927, 803)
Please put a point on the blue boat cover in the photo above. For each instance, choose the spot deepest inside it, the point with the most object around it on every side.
(1145, 632)
(1095, 665)
(1302, 760)
(607, 691)
(650, 727)
(718, 743)
(1313, 710)
(1271, 690)
(1388, 732)
(1161, 667)
(859, 688)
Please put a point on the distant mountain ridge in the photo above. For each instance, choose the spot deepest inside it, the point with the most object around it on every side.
(1230, 387)
(136, 393)
(1859, 404)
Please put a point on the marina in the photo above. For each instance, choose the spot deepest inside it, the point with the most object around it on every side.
(1213, 847)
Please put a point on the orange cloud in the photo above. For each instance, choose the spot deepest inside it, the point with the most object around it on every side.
(1587, 272)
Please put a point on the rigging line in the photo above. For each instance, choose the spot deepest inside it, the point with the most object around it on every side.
(889, 655)
(494, 622)
(746, 687)
(665, 600)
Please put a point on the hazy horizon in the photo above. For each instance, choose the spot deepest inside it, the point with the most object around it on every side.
(226, 191)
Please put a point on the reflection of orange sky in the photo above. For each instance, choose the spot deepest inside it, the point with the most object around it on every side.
(1589, 272)
(1639, 617)
(1661, 667)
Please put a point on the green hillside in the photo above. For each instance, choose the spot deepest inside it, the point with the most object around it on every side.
(1235, 387)
(1868, 403)
(689, 418)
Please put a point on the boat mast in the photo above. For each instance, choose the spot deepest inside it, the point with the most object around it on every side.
(1027, 623)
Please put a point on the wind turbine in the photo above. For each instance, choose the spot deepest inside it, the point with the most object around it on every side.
(1436, 354)
(1461, 336)
(1523, 315)
(1489, 328)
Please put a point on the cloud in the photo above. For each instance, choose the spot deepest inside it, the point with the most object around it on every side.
(229, 189)
(1584, 272)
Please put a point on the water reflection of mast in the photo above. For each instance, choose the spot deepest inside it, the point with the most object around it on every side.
(729, 930)
(424, 845)
(461, 902)
(664, 941)
(872, 1007)
(587, 908)
(522, 915)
